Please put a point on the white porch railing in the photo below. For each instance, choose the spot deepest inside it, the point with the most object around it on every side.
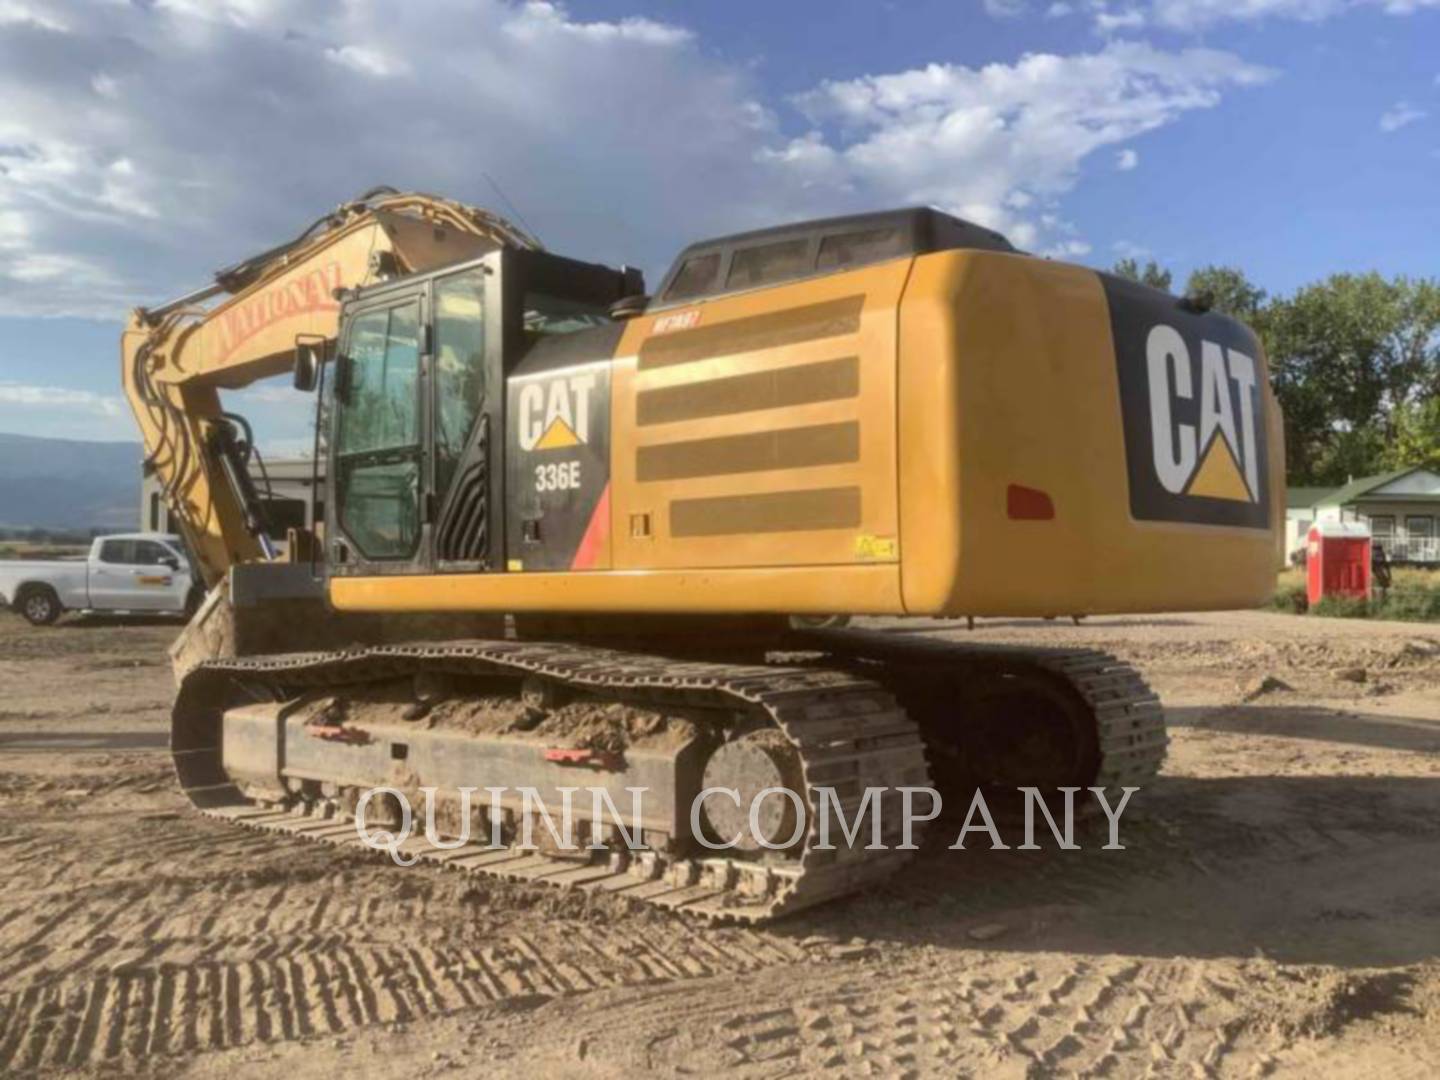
(1422, 550)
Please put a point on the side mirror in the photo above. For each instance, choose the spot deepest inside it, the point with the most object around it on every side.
(307, 365)
(172, 562)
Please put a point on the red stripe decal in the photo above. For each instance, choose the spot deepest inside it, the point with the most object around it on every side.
(589, 549)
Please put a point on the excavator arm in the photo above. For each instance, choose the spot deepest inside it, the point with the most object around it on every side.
(250, 324)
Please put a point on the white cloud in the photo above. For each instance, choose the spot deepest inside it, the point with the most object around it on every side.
(153, 143)
(1400, 115)
(539, 18)
(966, 138)
(1005, 9)
(1126, 160)
(64, 413)
(240, 121)
(1066, 249)
(18, 13)
(14, 231)
(1059, 10)
(367, 61)
(1191, 15)
(43, 397)
(243, 13)
(1110, 22)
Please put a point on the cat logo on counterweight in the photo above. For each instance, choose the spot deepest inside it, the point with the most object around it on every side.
(1217, 457)
(1192, 406)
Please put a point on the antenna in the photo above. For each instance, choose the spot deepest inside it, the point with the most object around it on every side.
(509, 205)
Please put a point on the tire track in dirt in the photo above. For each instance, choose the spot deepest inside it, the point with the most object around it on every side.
(146, 969)
(156, 958)
(1049, 1016)
(139, 1012)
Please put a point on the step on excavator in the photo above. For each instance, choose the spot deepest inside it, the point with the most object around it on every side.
(565, 532)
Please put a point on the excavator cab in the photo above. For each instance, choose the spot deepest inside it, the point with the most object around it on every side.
(418, 411)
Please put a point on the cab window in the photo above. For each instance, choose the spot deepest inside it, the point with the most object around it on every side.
(768, 263)
(459, 367)
(377, 446)
(696, 277)
(381, 407)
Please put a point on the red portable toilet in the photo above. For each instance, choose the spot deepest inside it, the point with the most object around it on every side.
(1337, 560)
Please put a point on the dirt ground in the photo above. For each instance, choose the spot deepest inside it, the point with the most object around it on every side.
(1276, 910)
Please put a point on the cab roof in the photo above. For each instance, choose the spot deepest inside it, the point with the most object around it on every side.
(804, 249)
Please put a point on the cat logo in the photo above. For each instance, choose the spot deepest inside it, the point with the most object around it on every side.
(1216, 456)
(1192, 405)
(555, 414)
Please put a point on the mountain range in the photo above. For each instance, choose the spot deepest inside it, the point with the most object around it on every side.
(68, 483)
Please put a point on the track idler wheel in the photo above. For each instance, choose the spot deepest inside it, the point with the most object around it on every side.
(748, 766)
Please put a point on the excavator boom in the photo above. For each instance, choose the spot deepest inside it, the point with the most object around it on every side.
(246, 326)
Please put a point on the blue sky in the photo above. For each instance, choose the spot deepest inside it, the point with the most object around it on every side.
(146, 143)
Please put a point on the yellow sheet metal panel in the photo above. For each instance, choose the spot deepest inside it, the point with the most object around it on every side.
(759, 429)
(1008, 378)
(789, 387)
(873, 589)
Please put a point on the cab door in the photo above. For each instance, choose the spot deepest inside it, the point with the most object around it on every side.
(466, 397)
(378, 459)
(416, 404)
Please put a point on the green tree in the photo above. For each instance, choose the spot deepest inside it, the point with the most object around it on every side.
(1351, 357)
(1416, 341)
(1348, 455)
(1231, 292)
(1152, 273)
(1417, 435)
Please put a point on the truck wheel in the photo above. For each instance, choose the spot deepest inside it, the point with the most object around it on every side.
(40, 605)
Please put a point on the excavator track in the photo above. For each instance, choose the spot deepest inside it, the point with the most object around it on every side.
(1128, 719)
(849, 733)
(845, 724)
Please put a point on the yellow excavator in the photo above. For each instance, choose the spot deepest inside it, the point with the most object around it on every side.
(568, 528)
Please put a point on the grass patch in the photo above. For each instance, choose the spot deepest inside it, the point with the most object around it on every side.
(1345, 607)
(1290, 593)
(1413, 596)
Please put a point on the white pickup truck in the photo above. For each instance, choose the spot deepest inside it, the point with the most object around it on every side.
(128, 574)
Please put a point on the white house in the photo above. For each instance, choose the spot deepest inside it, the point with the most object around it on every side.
(1300, 515)
(1402, 509)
